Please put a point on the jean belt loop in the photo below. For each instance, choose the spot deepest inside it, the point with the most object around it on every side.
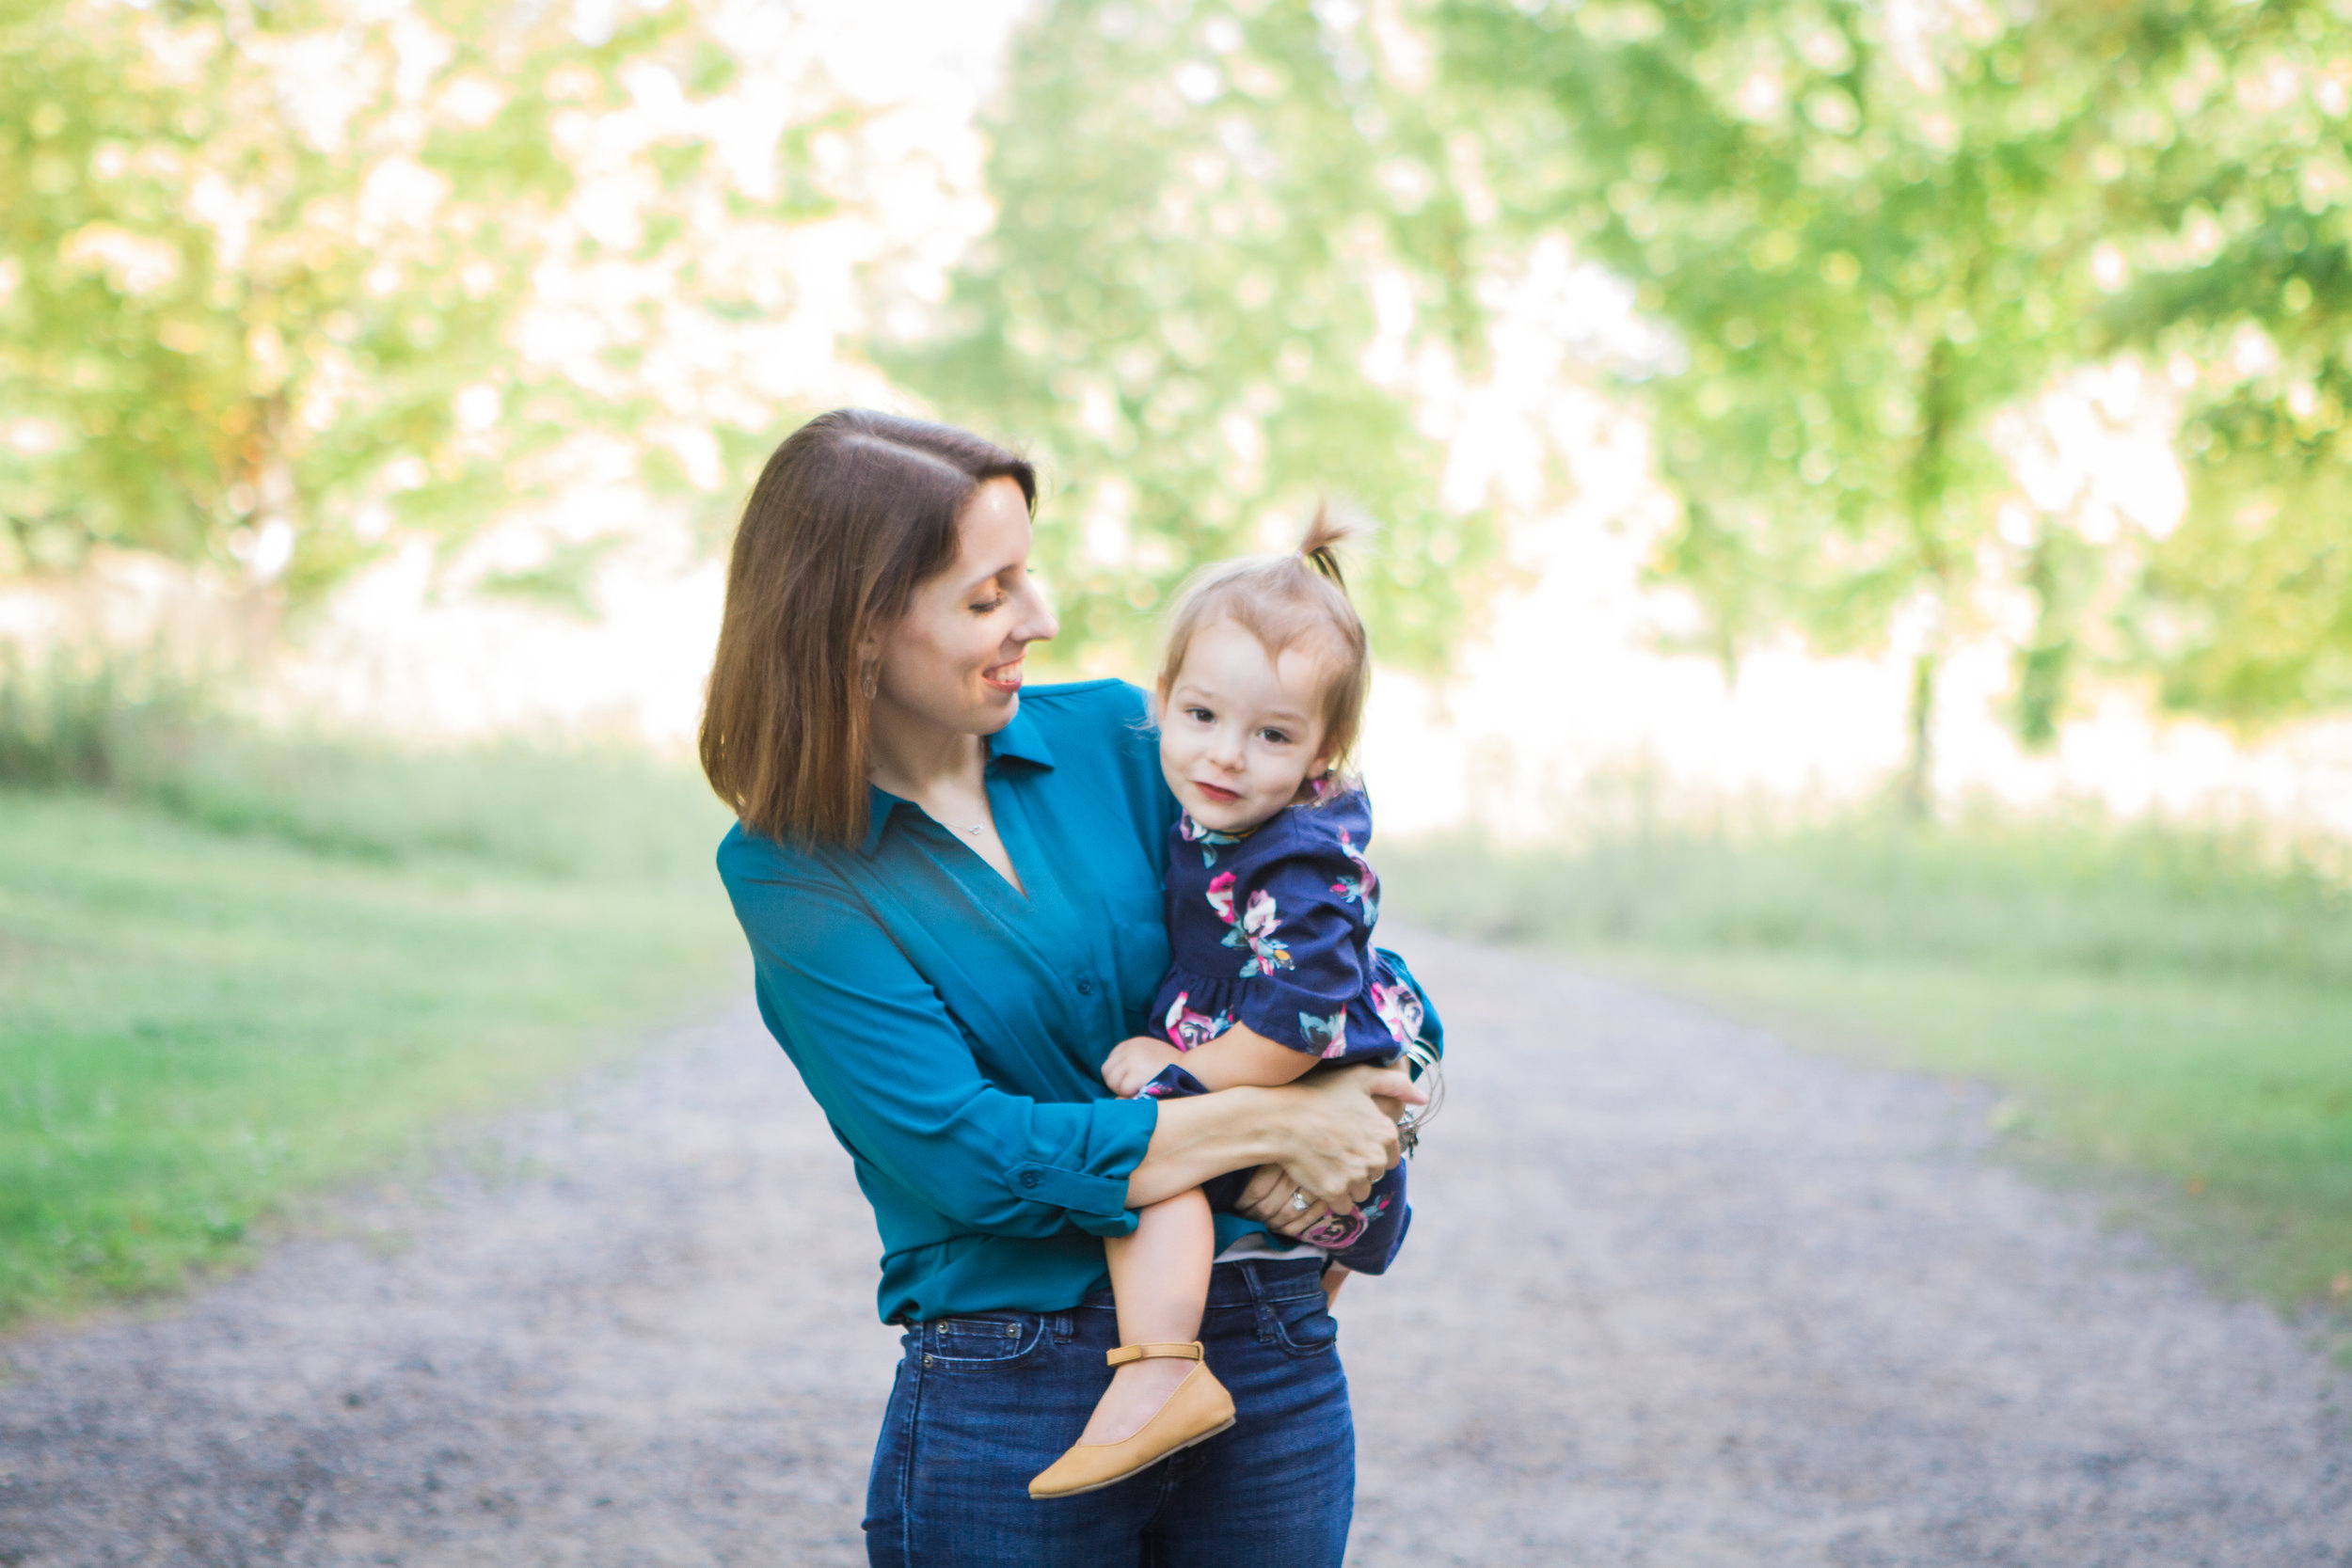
(1247, 1272)
(1263, 1309)
(1063, 1329)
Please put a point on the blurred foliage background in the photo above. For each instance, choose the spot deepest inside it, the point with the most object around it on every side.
(279, 279)
(288, 286)
(1217, 246)
(1874, 228)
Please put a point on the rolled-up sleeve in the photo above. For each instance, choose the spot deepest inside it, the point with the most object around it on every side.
(887, 1062)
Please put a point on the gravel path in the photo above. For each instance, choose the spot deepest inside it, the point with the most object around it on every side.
(1678, 1296)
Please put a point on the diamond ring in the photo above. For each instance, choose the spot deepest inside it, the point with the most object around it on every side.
(1299, 1202)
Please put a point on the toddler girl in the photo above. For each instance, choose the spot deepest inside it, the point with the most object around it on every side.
(1270, 907)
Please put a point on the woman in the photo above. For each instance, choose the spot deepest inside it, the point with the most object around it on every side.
(952, 892)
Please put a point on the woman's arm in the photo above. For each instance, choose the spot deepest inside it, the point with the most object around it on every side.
(1333, 1135)
(876, 1050)
(897, 1078)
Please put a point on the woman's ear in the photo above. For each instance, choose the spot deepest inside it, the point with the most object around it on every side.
(870, 663)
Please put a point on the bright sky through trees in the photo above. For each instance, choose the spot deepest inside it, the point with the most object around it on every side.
(1218, 261)
(285, 288)
(282, 279)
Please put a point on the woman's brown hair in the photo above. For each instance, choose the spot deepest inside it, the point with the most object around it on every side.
(852, 511)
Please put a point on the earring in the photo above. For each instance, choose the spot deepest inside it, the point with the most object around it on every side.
(869, 680)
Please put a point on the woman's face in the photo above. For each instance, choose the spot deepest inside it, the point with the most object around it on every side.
(953, 660)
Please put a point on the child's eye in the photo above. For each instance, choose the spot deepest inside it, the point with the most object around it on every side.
(1200, 715)
(1275, 737)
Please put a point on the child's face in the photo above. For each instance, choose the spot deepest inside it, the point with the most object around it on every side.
(1240, 731)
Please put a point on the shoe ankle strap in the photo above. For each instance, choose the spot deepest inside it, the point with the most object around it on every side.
(1189, 1351)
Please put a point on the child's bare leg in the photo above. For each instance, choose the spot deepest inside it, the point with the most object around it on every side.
(1160, 1273)
(1334, 1276)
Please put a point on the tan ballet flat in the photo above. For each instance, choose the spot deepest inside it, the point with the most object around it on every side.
(1196, 1411)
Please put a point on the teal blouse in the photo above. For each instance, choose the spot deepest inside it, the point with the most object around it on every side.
(953, 1030)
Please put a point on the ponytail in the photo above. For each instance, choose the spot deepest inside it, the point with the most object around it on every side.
(1320, 547)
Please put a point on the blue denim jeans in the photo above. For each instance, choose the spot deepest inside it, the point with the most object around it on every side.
(983, 1403)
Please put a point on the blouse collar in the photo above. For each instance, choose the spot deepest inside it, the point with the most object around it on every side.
(1021, 741)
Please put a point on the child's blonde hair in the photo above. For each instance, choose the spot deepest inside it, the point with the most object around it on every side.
(1282, 600)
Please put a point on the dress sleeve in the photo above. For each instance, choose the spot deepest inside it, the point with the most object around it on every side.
(882, 1055)
(1293, 923)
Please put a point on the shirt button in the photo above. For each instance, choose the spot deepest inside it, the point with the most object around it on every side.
(1086, 986)
(1029, 1179)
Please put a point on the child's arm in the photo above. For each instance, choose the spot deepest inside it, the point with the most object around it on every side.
(1238, 1056)
(1243, 1056)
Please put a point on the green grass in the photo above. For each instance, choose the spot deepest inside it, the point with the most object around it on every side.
(2168, 1006)
(275, 965)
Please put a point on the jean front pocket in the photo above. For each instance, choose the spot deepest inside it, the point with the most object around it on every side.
(975, 1343)
(1303, 1325)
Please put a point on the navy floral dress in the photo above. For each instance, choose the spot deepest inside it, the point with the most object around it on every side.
(1272, 928)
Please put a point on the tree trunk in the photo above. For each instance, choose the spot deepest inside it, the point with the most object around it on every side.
(1927, 482)
(1918, 789)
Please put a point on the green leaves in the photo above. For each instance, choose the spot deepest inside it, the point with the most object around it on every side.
(275, 280)
(1861, 249)
(1223, 235)
(1873, 230)
(2249, 607)
(2242, 273)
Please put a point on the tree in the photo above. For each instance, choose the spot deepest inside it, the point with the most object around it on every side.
(2240, 274)
(1870, 236)
(276, 278)
(1222, 236)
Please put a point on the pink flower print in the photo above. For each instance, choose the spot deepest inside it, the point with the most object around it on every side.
(1185, 1028)
(1334, 1231)
(1399, 1007)
(1221, 900)
(1258, 924)
(1363, 887)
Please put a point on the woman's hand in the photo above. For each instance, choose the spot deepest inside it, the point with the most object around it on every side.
(1269, 1200)
(1332, 1133)
(1135, 1062)
(1341, 1131)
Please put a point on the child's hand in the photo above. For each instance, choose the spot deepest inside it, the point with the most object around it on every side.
(1133, 1063)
